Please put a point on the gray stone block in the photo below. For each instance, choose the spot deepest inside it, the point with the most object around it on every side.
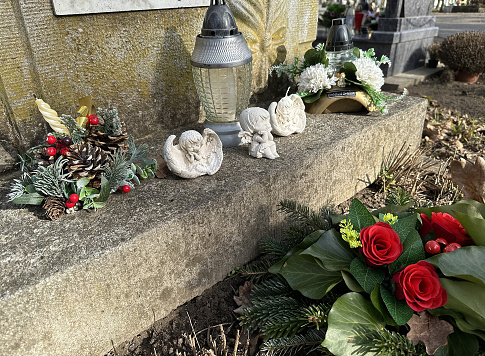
(69, 287)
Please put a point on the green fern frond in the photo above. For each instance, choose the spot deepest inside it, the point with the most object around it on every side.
(386, 343)
(288, 346)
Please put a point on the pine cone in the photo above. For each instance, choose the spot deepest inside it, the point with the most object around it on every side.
(54, 207)
(106, 142)
(42, 158)
(86, 161)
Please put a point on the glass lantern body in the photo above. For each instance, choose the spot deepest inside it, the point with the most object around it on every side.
(336, 59)
(223, 92)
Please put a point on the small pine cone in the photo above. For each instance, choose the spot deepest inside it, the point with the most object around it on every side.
(86, 161)
(42, 158)
(106, 142)
(54, 207)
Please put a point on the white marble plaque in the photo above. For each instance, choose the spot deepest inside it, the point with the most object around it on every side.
(80, 7)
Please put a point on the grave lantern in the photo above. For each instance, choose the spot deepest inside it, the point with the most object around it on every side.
(222, 67)
(339, 45)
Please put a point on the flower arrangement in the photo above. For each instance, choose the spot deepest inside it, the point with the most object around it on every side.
(369, 283)
(372, 20)
(80, 163)
(314, 76)
(333, 11)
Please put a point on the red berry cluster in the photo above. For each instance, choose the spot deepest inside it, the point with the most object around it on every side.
(73, 199)
(440, 245)
(58, 145)
(93, 120)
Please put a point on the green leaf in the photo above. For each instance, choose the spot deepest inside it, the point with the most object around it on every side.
(473, 226)
(332, 251)
(307, 242)
(413, 252)
(399, 309)
(405, 227)
(30, 199)
(30, 188)
(468, 207)
(466, 298)
(312, 57)
(467, 263)
(305, 274)
(312, 98)
(81, 183)
(356, 52)
(359, 216)
(351, 282)
(97, 205)
(367, 276)
(104, 191)
(379, 304)
(459, 344)
(392, 209)
(349, 313)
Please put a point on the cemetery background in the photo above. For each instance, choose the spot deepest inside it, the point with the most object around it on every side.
(58, 86)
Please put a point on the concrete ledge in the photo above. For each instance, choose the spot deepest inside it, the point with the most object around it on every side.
(410, 78)
(69, 287)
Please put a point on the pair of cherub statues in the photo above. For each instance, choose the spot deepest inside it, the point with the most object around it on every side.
(197, 154)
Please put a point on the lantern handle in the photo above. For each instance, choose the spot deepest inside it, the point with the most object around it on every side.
(218, 2)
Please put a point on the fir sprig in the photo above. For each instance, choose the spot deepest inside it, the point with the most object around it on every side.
(19, 186)
(386, 343)
(305, 216)
(112, 123)
(119, 170)
(51, 180)
(287, 346)
(76, 132)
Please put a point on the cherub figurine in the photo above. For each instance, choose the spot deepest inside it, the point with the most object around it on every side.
(195, 155)
(256, 130)
(288, 115)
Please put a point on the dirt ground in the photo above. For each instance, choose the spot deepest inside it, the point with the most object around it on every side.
(204, 314)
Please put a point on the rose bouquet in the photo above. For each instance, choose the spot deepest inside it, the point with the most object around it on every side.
(373, 285)
(313, 75)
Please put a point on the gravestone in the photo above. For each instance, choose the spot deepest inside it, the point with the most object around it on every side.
(403, 35)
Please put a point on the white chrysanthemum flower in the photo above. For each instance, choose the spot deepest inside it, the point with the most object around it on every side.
(314, 78)
(368, 71)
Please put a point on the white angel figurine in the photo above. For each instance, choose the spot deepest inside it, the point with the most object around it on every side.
(195, 155)
(288, 115)
(256, 130)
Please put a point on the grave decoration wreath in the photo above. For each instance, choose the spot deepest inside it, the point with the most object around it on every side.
(81, 162)
(313, 76)
(378, 284)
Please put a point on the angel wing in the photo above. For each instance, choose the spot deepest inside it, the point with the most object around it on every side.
(174, 157)
(211, 151)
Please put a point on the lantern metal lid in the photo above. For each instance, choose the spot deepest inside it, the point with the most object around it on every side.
(220, 44)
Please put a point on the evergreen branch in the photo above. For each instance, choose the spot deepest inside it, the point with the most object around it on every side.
(137, 154)
(76, 132)
(303, 215)
(19, 186)
(118, 171)
(287, 346)
(50, 181)
(275, 248)
(112, 124)
(386, 343)
(256, 271)
(275, 286)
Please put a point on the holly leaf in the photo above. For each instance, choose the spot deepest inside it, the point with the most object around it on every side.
(399, 309)
(470, 178)
(359, 216)
(367, 276)
(350, 313)
(430, 330)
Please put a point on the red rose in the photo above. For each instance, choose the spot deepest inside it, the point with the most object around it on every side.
(380, 244)
(420, 286)
(445, 226)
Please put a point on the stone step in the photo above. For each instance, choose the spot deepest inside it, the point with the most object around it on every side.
(74, 286)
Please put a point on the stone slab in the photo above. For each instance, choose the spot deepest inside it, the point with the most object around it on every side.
(406, 23)
(70, 287)
(407, 79)
(81, 7)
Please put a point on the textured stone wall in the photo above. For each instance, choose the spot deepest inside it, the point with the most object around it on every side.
(137, 62)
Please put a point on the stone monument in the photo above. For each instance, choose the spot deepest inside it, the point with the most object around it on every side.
(403, 34)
